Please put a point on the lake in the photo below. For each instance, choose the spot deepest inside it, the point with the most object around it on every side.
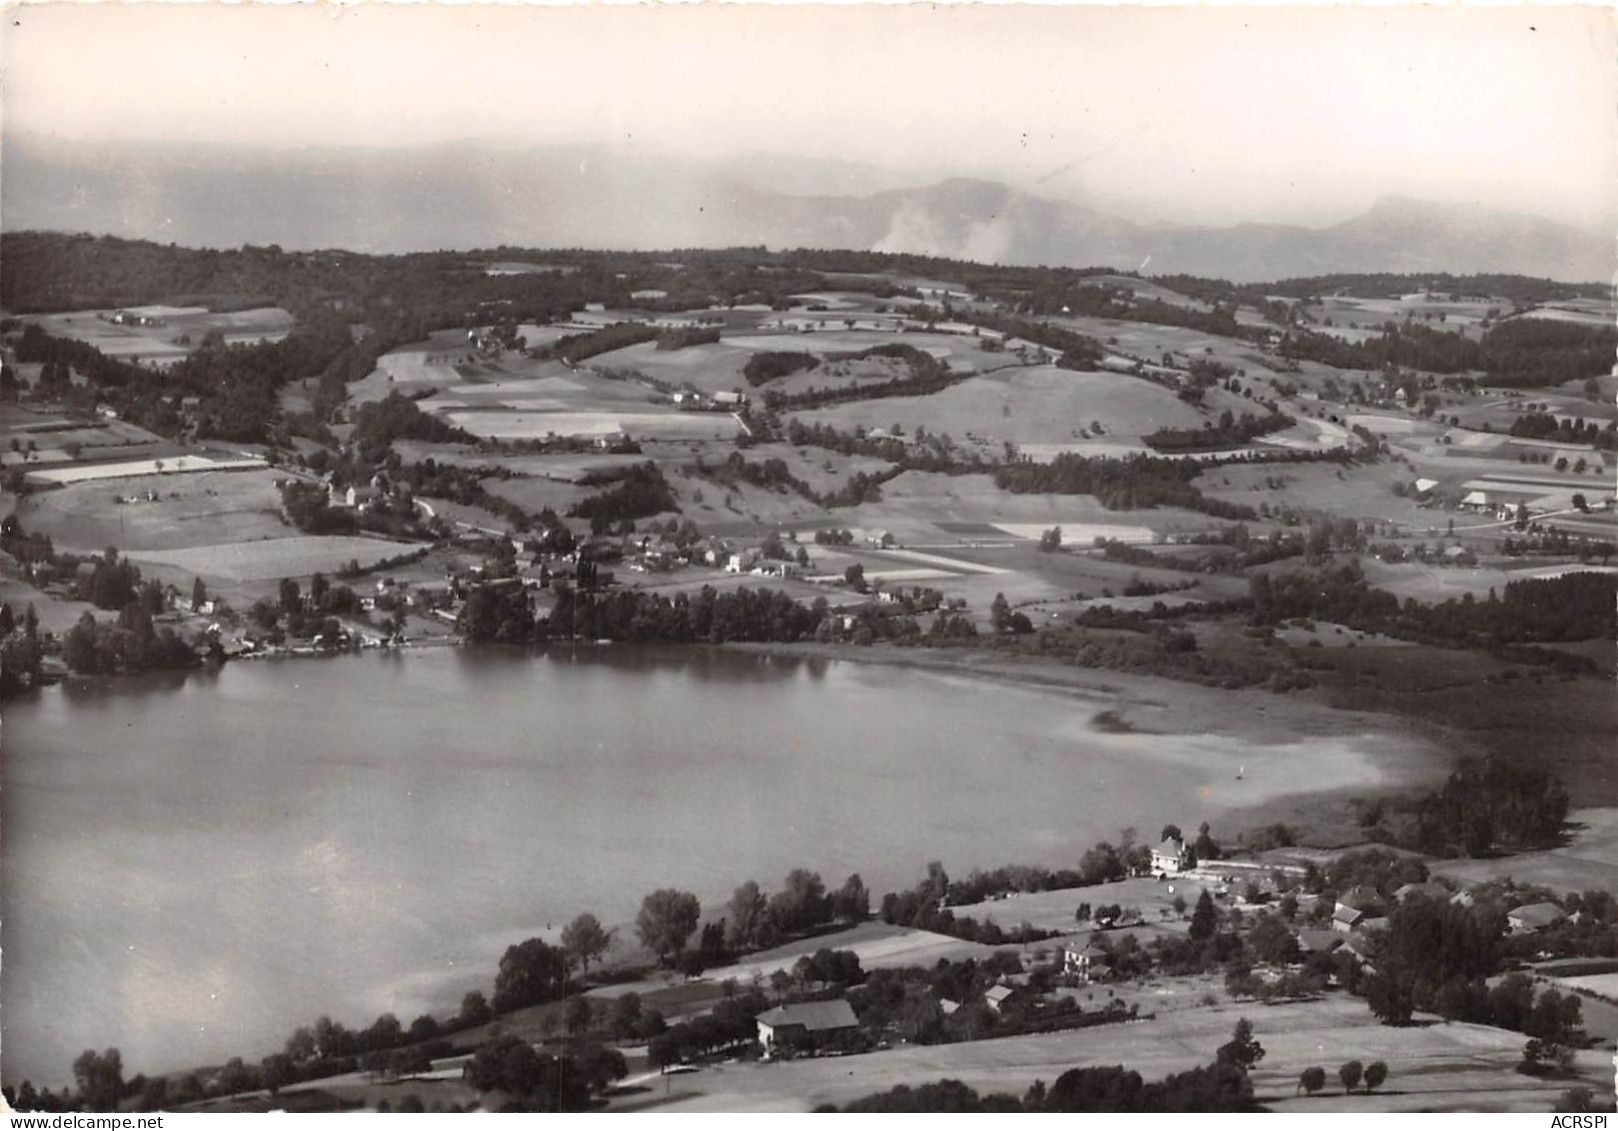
(192, 866)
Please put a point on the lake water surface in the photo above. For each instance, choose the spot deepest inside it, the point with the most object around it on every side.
(193, 866)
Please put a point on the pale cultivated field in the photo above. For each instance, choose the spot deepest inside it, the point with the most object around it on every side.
(1360, 492)
(1082, 533)
(1150, 341)
(636, 425)
(56, 615)
(145, 468)
(191, 510)
(921, 508)
(1584, 317)
(1053, 910)
(160, 344)
(1603, 985)
(959, 351)
(274, 558)
(711, 368)
(1588, 862)
(1141, 288)
(1038, 405)
(1438, 1067)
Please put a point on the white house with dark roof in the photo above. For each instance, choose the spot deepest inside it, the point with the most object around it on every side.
(1089, 962)
(1170, 858)
(805, 1022)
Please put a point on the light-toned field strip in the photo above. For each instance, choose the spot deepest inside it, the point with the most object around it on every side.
(1079, 533)
(1392, 424)
(953, 564)
(682, 425)
(271, 558)
(175, 464)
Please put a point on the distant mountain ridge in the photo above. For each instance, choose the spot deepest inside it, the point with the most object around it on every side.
(479, 194)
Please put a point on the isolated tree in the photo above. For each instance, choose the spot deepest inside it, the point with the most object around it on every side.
(474, 1009)
(1171, 832)
(748, 913)
(1350, 1074)
(801, 903)
(584, 940)
(1205, 919)
(1051, 540)
(1375, 1073)
(854, 577)
(531, 971)
(1000, 613)
(275, 1072)
(1179, 905)
(666, 920)
(301, 1045)
(851, 902)
(1312, 1080)
(1242, 1049)
(100, 1078)
(199, 593)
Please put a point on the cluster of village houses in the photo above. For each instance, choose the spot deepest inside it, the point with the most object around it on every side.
(1356, 914)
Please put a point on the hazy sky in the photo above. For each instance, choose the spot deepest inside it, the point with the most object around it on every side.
(1216, 114)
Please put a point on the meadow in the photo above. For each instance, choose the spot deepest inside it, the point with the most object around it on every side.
(274, 558)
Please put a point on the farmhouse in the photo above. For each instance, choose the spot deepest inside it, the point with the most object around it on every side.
(1432, 889)
(741, 562)
(1312, 940)
(809, 1023)
(1170, 857)
(1534, 917)
(1089, 962)
(997, 996)
(1476, 500)
(1424, 487)
(1356, 907)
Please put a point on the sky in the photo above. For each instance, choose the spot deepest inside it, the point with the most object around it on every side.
(1209, 115)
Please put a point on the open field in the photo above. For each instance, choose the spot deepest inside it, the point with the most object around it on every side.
(915, 503)
(1053, 910)
(145, 468)
(879, 946)
(161, 345)
(960, 352)
(1602, 985)
(1435, 1067)
(191, 510)
(275, 557)
(1362, 492)
(535, 494)
(1589, 861)
(714, 367)
(29, 438)
(56, 614)
(1039, 405)
(537, 425)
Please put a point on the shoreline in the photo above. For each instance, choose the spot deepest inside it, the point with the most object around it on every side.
(1179, 708)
